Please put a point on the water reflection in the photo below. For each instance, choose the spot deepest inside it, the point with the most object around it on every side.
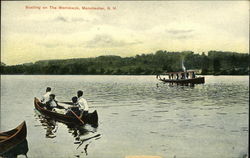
(181, 84)
(81, 134)
(50, 126)
(20, 149)
(82, 141)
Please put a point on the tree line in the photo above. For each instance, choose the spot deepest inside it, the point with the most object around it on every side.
(212, 63)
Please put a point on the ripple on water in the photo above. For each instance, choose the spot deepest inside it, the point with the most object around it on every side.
(133, 115)
(234, 131)
(160, 106)
(137, 110)
(157, 116)
(161, 111)
(209, 126)
(245, 129)
(221, 113)
(201, 125)
(242, 113)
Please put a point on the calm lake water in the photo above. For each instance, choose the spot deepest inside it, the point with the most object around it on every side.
(138, 115)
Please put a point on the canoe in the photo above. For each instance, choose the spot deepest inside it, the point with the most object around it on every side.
(91, 118)
(197, 80)
(19, 149)
(13, 137)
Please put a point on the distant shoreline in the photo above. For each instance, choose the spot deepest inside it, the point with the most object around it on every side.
(95, 75)
(213, 63)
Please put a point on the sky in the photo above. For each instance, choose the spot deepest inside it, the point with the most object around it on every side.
(29, 34)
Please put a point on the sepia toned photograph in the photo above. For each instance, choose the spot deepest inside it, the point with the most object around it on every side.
(124, 79)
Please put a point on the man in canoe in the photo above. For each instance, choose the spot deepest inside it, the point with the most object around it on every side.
(45, 97)
(52, 103)
(74, 107)
(82, 102)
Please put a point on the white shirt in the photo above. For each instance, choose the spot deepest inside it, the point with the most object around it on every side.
(74, 105)
(53, 104)
(45, 97)
(83, 104)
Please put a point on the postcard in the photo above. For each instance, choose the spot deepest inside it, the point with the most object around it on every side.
(124, 79)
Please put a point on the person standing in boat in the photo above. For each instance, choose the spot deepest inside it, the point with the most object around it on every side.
(45, 97)
(82, 102)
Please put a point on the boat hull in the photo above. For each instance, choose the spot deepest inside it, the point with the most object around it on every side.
(13, 137)
(198, 80)
(91, 118)
(19, 149)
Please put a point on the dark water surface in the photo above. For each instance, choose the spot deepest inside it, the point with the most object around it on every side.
(138, 115)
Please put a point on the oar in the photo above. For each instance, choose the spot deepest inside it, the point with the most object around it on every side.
(61, 107)
(70, 103)
(77, 117)
(72, 111)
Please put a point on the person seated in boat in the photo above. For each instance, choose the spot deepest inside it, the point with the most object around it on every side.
(177, 76)
(82, 102)
(182, 76)
(187, 74)
(45, 97)
(52, 103)
(172, 76)
(193, 75)
(75, 107)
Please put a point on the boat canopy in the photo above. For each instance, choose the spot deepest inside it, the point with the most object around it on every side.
(188, 71)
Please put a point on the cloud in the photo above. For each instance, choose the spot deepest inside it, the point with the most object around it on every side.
(49, 45)
(64, 19)
(79, 20)
(183, 36)
(99, 41)
(105, 40)
(58, 44)
(61, 19)
(175, 31)
(180, 33)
